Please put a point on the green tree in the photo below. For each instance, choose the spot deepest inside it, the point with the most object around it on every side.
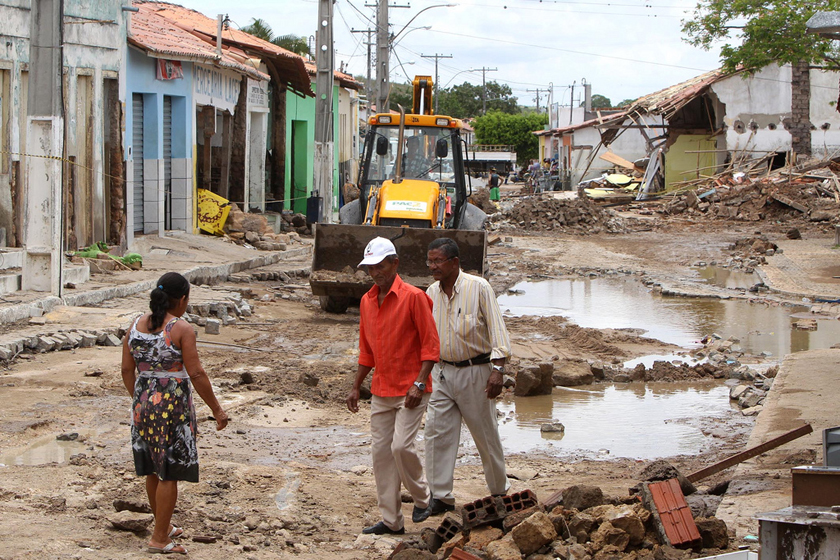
(755, 34)
(260, 28)
(601, 102)
(626, 103)
(517, 130)
(466, 100)
(401, 94)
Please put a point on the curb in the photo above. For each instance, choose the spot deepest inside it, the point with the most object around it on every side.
(197, 275)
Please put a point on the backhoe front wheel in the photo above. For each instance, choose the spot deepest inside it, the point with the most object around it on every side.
(332, 304)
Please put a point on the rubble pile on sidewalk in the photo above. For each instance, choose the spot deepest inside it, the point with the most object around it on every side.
(578, 522)
(253, 229)
(545, 213)
(795, 198)
(481, 198)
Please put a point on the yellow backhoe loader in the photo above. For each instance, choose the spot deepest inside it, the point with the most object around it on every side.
(413, 189)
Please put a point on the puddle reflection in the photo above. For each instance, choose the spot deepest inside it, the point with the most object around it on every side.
(725, 278)
(626, 303)
(42, 451)
(640, 421)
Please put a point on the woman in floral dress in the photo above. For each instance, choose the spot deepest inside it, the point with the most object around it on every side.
(159, 361)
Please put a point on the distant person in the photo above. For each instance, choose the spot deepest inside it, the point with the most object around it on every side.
(494, 182)
(474, 345)
(159, 360)
(399, 342)
(416, 164)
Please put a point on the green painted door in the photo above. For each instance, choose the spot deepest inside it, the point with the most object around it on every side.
(691, 157)
(300, 167)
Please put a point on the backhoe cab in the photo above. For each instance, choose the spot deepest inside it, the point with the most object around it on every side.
(412, 178)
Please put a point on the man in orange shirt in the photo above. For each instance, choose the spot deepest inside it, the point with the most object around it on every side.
(398, 340)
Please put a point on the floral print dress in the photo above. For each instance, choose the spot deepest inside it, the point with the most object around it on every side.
(164, 426)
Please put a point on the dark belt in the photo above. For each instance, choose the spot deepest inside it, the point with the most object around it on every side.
(477, 361)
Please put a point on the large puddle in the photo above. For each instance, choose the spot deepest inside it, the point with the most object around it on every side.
(639, 421)
(626, 303)
(42, 451)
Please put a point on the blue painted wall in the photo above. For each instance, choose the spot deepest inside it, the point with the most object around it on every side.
(140, 78)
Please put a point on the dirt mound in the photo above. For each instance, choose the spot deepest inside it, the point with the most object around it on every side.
(481, 198)
(545, 213)
(666, 371)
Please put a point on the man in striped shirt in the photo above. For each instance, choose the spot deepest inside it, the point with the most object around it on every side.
(399, 342)
(474, 345)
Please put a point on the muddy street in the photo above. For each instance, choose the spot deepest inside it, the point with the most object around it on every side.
(292, 477)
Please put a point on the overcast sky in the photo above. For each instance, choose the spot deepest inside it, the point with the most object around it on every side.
(624, 49)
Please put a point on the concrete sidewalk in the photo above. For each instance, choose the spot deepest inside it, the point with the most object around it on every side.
(804, 391)
(201, 258)
(806, 268)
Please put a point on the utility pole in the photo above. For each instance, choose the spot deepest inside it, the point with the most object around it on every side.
(324, 140)
(436, 57)
(484, 86)
(538, 90)
(383, 53)
(369, 43)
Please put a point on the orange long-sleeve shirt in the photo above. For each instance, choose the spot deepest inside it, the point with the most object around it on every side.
(395, 338)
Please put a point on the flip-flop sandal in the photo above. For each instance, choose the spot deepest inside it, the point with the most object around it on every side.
(168, 549)
(175, 532)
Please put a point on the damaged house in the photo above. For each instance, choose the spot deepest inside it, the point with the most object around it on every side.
(712, 123)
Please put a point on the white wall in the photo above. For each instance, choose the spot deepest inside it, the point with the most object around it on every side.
(765, 100)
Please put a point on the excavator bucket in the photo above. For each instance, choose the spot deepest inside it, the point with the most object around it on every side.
(339, 248)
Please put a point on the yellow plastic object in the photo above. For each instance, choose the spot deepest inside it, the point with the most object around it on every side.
(618, 179)
(597, 193)
(213, 210)
(410, 199)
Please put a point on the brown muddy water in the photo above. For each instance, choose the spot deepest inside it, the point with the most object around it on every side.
(633, 420)
(617, 303)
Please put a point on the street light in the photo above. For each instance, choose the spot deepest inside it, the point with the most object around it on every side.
(395, 43)
(394, 37)
(456, 75)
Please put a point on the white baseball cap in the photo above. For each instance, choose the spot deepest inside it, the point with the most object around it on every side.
(376, 250)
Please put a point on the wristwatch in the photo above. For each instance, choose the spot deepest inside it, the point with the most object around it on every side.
(500, 369)
(420, 385)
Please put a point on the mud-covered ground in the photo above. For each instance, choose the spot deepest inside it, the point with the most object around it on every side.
(291, 475)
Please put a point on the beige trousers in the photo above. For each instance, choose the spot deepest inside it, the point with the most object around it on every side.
(459, 395)
(393, 430)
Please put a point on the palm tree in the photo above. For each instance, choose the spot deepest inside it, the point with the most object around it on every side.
(260, 28)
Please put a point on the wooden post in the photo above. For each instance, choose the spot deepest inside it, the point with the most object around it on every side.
(209, 114)
(751, 452)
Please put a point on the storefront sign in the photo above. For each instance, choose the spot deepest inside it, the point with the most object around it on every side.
(257, 94)
(216, 87)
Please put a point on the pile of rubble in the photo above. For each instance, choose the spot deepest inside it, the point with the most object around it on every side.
(579, 522)
(545, 213)
(778, 198)
(254, 230)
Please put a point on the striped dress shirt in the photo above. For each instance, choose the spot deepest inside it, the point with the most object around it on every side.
(471, 323)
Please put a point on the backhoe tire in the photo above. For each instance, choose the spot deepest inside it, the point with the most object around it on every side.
(332, 304)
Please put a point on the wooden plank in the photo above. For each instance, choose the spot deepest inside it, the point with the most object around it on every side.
(616, 159)
(751, 452)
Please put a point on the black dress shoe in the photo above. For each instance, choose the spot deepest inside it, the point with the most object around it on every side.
(419, 515)
(438, 507)
(382, 529)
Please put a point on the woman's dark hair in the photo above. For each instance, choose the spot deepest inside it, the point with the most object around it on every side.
(171, 287)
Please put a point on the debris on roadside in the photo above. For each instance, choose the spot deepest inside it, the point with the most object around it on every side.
(578, 216)
(577, 522)
(253, 229)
